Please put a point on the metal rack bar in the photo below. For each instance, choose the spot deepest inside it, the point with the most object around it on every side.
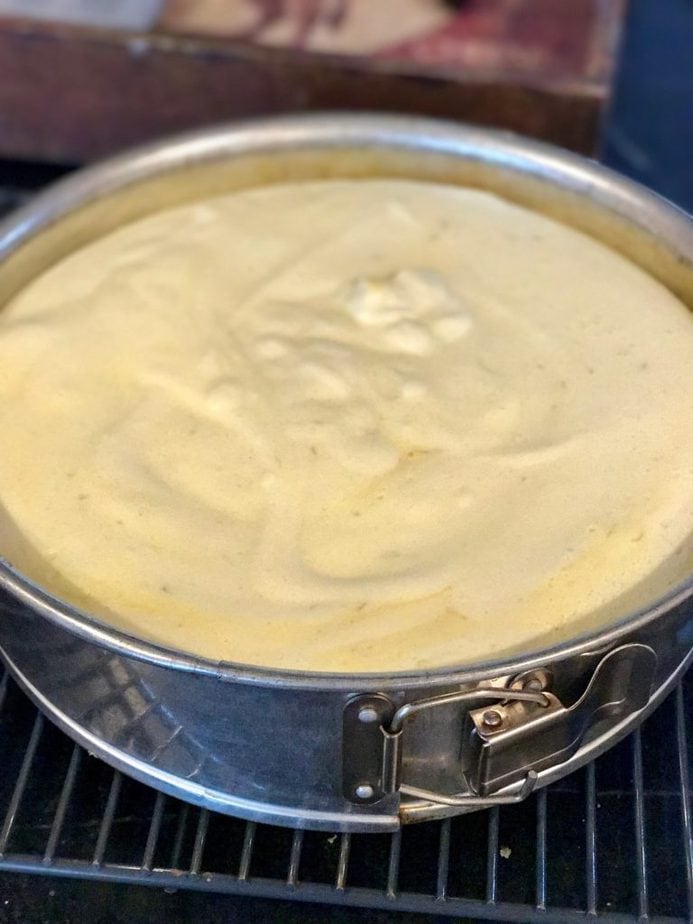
(591, 838)
(63, 803)
(492, 856)
(641, 854)
(366, 898)
(153, 833)
(20, 785)
(540, 862)
(247, 851)
(343, 862)
(682, 748)
(199, 845)
(107, 820)
(393, 864)
(180, 834)
(295, 858)
(443, 860)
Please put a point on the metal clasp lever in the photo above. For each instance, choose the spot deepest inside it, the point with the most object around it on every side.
(409, 710)
(372, 744)
(509, 743)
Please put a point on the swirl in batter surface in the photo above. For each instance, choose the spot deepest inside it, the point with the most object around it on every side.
(346, 425)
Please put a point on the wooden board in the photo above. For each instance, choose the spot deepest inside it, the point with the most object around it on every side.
(561, 41)
(72, 94)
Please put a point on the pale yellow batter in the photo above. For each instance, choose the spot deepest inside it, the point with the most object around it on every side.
(346, 426)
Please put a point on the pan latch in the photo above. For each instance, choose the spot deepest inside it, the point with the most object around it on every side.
(513, 730)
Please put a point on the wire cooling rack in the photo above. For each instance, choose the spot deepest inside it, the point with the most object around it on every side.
(613, 840)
